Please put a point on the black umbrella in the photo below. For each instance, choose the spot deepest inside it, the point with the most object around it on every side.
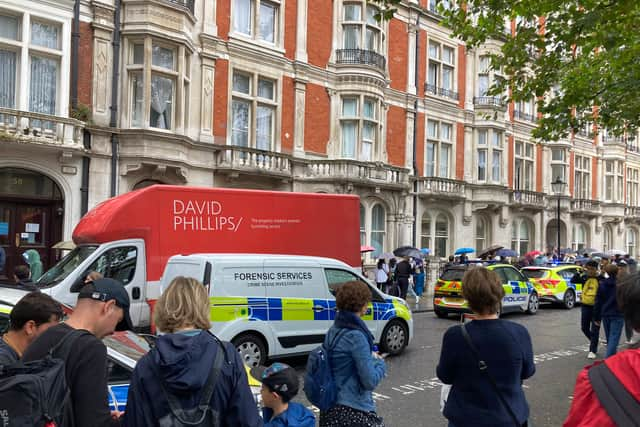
(407, 251)
(490, 249)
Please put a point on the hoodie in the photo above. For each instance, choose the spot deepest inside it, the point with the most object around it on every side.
(183, 362)
(606, 302)
(32, 257)
(295, 416)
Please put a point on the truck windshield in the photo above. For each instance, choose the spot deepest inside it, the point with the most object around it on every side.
(65, 266)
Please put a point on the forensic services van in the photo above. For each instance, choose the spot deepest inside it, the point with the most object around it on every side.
(131, 237)
(281, 305)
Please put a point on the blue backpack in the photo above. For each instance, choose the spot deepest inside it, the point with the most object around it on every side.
(319, 385)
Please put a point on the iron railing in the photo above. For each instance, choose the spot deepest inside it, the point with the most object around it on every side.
(186, 4)
(489, 101)
(517, 114)
(361, 57)
(440, 91)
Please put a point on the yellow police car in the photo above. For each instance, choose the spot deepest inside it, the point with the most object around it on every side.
(520, 294)
(553, 283)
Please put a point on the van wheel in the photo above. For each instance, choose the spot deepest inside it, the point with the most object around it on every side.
(534, 303)
(251, 348)
(395, 337)
(569, 299)
(441, 314)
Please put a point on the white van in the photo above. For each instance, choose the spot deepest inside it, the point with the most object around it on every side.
(281, 305)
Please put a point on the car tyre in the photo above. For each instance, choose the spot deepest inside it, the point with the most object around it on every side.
(534, 303)
(441, 314)
(251, 348)
(569, 300)
(394, 338)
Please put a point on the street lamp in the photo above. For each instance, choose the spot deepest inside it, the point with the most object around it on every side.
(558, 188)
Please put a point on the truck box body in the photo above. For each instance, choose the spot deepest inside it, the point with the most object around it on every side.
(169, 220)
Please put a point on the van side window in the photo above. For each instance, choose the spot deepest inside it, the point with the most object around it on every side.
(117, 263)
(337, 278)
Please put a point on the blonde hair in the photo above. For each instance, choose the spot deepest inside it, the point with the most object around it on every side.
(185, 303)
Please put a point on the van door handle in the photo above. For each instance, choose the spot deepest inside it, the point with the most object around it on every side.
(319, 308)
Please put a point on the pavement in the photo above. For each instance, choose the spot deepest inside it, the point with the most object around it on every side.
(409, 396)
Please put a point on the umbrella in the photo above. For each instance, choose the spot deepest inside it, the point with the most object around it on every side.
(425, 251)
(589, 250)
(532, 254)
(461, 251)
(490, 249)
(407, 251)
(507, 253)
(366, 248)
(612, 252)
(65, 245)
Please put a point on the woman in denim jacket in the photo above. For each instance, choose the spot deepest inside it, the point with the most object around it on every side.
(357, 369)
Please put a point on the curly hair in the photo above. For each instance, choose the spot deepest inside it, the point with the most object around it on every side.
(482, 290)
(185, 303)
(352, 296)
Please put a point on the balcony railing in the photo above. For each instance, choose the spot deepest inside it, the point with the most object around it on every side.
(521, 115)
(25, 126)
(527, 198)
(632, 212)
(361, 57)
(440, 91)
(633, 148)
(249, 160)
(442, 187)
(352, 170)
(489, 101)
(186, 4)
(585, 205)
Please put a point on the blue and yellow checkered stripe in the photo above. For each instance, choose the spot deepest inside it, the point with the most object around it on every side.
(517, 288)
(226, 309)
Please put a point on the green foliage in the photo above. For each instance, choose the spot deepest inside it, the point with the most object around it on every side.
(583, 54)
(82, 112)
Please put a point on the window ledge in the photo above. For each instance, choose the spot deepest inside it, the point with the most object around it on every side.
(248, 42)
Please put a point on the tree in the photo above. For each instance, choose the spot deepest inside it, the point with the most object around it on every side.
(579, 59)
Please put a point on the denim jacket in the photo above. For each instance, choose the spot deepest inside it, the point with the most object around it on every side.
(351, 354)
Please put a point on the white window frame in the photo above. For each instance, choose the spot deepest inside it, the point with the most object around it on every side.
(255, 102)
(364, 24)
(439, 143)
(582, 177)
(524, 179)
(490, 145)
(631, 241)
(580, 237)
(484, 70)
(517, 237)
(437, 60)
(613, 181)
(254, 22)
(561, 164)
(360, 121)
(633, 186)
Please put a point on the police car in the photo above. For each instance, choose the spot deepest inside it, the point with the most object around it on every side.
(553, 283)
(519, 293)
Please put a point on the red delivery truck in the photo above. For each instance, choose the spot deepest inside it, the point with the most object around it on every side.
(131, 237)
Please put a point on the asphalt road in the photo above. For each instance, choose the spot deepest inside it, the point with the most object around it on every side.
(409, 395)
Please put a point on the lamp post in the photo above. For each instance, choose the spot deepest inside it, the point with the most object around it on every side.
(558, 189)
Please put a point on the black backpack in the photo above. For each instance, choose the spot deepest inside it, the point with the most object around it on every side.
(202, 415)
(36, 394)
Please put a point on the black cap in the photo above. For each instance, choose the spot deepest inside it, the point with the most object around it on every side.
(279, 377)
(106, 290)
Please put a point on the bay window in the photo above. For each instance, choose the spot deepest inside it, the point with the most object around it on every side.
(439, 149)
(613, 181)
(253, 111)
(559, 164)
(441, 70)
(257, 19)
(523, 171)
(30, 55)
(632, 186)
(582, 177)
(489, 156)
(360, 28)
(159, 78)
(360, 127)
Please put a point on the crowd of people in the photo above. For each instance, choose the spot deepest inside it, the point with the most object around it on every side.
(401, 278)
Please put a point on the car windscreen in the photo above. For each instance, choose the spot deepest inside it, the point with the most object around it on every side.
(65, 266)
(127, 344)
(535, 273)
(454, 274)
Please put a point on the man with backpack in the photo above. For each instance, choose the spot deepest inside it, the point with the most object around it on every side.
(102, 308)
(589, 280)
(31, 316)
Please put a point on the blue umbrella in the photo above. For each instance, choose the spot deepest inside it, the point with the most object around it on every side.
(507, 253)
(461, 251)
(425, 251)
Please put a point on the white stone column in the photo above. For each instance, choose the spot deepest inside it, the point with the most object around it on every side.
(206, 101)
(469, 154)
(408, 158)
(209, 25)
(298, 129)
(470, 80)
(301, 31)
(413, 31)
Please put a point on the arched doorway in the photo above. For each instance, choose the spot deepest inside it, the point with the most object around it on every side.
(31, 214)
(552, 235)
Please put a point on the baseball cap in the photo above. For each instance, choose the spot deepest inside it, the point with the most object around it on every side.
(279, 377)
(622, 263)
(106, 290)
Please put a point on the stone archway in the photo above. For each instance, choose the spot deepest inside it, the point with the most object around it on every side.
(551, 235)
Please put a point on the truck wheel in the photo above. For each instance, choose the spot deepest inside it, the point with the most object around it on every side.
(569, 299)
(534, 303)
(251, 348)
(395, 337)
(441, 314)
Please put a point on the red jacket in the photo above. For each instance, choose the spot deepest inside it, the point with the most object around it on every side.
(586, 410)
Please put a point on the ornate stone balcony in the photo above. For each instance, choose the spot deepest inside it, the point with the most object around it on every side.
(44, 129)
(436, 90)
(233, 160)
(361, 57)
(632, 213)
(586, 207)
(441, 188)
(524, 198)
(351, 171)
(489, 102)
